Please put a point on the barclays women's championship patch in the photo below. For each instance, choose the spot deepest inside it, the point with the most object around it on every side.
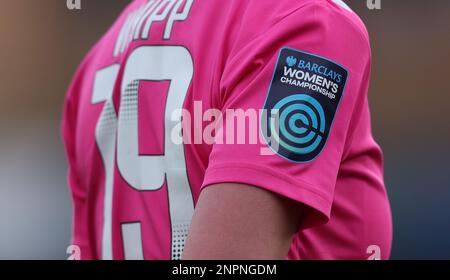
(301, 104)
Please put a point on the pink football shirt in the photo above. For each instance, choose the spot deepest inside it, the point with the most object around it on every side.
(146, 101)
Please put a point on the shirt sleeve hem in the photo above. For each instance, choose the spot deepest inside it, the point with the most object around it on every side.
(319, 206)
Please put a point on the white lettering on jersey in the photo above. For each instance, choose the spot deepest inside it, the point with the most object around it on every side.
(138, 24)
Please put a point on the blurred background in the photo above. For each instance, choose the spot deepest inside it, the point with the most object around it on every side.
(42, 43)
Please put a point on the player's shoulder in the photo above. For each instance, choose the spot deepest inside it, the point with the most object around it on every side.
(339, 24)
(341, 13)
(343, 19)
(335, 13)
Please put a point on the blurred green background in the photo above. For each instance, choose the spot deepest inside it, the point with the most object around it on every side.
(42, 43)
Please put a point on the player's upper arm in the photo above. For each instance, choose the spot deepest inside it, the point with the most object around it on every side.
(235, 221)
(312, 67)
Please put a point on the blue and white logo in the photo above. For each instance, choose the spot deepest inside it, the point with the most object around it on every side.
(291, 61)
(301, 107)
(302, 124)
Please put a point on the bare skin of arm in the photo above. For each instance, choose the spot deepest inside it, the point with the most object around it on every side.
(236, 221)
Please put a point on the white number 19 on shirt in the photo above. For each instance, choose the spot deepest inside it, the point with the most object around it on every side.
(144, 172)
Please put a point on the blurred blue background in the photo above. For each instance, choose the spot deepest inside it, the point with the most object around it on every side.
(43, 42)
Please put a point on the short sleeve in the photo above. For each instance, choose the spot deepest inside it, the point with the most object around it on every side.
(312, 69)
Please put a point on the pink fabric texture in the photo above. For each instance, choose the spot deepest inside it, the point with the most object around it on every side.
(234, 47)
